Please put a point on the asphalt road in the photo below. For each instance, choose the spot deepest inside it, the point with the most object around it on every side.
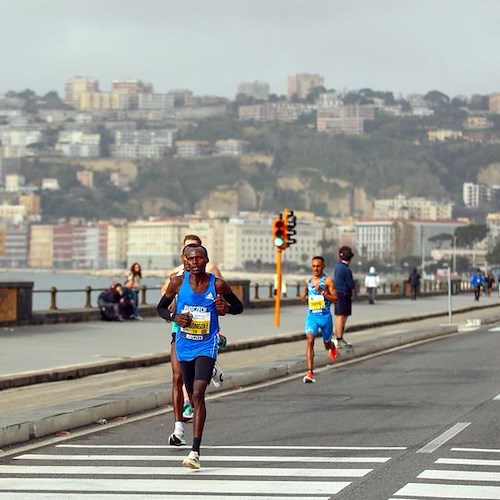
(420, 422)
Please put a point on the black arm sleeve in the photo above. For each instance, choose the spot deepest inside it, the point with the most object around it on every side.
(235, 304)
(162, 307)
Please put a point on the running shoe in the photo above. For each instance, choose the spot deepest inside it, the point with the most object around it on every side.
(342, 342)
(309, 377)
(176, 439)
(192, 461)
(217, 375)
(187, 413)
(333, 352)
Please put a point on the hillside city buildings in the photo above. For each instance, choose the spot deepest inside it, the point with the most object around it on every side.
(131, 121)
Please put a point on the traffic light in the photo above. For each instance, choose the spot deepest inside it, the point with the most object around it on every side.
(291, 222)
(279, 232)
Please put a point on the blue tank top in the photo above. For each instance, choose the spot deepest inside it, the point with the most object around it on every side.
(200, 337)
(317, 303)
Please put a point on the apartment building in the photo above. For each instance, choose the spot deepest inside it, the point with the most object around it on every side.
(390, 240)
(475, 195)
(232, 147)
(156, 101)
(143, 143)
(156, 244)
(404, 208)
(75, 143)
(41, 246)
(494, 103)
(14, 244)
(19, 138)
(132, 89)
(247, 239)
(281, 111)
(103, 101)
(258, 90)
(77, 86)
(192, 149)
(441, 135)
(301, 84)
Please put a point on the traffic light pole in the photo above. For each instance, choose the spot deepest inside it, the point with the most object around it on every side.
(277, 297)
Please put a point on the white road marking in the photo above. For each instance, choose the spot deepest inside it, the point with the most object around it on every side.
(496, 329)
(429, 490)
(460, 475)
(204, 458)
(92, 496)
(479, 450)
(168, 447)
(164, 486)
(497, 398)
(167, 471)
(464, 461)
(443, 438)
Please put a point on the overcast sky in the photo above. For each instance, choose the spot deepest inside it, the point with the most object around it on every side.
(209, 46)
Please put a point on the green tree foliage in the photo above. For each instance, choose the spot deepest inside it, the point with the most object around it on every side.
(468, 235)
(493, 257)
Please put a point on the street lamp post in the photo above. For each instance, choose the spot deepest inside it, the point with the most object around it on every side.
(448, 269)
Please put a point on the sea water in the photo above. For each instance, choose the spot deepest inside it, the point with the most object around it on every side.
(43, 281)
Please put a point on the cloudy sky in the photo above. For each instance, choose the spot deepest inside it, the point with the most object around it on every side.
(209, 46)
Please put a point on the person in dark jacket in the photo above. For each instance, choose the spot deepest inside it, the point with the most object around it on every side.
(109, 303)
(344, 284)
(414, 281)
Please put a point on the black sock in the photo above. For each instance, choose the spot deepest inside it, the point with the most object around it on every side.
(196, 444)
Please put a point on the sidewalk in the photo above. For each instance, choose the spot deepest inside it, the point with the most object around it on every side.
(257, 351)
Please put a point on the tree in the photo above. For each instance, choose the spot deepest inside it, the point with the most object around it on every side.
(468, 235)
(493, 257)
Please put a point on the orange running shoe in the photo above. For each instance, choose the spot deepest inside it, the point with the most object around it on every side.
(309, 377)
(333, 352)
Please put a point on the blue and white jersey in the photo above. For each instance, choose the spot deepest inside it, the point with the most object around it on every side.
(200, 337)
(316, 302)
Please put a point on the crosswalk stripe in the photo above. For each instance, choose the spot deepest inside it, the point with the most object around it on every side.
(184, 496)
(173, 486)
(204, 458)
(169, 447)
(430, 490)
(167, 471)
(467, 461)
(478, 450)
(460, 475)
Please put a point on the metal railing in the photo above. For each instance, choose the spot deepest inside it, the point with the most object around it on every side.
(257, 292)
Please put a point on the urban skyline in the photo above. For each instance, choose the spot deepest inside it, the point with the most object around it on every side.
(210, 48)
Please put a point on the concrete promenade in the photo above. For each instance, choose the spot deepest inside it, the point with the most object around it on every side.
(90, 365)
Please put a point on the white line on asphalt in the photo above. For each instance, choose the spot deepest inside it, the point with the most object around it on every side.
(496, 329)
(429, 490)
(467, 461)
(184, 496)
(497, 398)
(231, 447)
(443, 438)
(164, 486)
(168, 471)
(459, 475)
(205, 458)
(479, 450)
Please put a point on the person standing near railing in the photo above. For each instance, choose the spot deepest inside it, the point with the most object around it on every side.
(133, 282)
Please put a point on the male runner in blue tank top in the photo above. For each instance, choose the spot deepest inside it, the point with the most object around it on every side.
(320, 293)
(201, 299)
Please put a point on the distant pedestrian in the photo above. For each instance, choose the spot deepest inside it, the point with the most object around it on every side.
(414, 281)
(134, 278)
(344, 284)
(320, 293)
(372, 282)
(476, 281)
(490, 283)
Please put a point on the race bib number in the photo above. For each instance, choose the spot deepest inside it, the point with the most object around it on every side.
(316, 303)
(199, 327)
